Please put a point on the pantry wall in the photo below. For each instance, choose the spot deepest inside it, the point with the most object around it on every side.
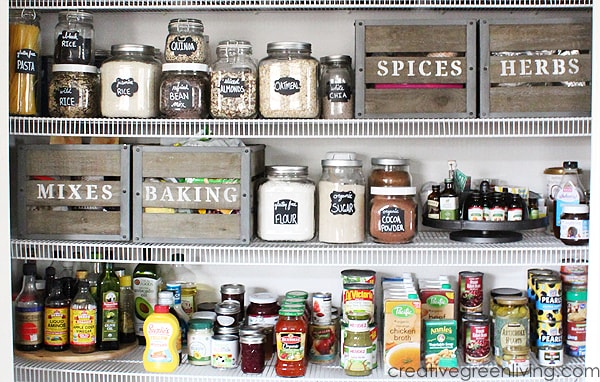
(515, 159)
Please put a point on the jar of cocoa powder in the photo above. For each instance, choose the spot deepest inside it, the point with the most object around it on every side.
(390, 172)
(393, 216)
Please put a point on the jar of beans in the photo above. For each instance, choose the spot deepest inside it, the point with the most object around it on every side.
(184, 90)
(233, 81)
(186, 41)
(288, 81)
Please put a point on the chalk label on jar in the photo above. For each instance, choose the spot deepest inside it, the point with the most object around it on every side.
(66, 97)
(285, 212)
(183, 46)
(391, 219)
(232, 87)
(124, 87)
(180, 95)
(342, 203)
(26, 61)
(70, 41)
(287, 86)
(338, 92)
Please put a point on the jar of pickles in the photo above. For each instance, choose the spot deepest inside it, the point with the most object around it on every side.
(511, 326)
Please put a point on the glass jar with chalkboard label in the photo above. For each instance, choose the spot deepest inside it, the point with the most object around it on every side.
(336, 87)
(186, 41)
(74, 91)
(74, 38)
(184, 90)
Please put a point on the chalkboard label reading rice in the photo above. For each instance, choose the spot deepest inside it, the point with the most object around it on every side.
(287, 86)
(285, 212)
(232, 87)
(71, 47)
(180, 95)
(342, 203)
(67, 97)
(124, 87)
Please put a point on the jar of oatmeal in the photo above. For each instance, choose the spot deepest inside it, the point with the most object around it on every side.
(288, 81)
(233, 81)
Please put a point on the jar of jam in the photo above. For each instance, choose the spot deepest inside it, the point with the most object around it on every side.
(228, 313)
(390, 172)
(393, 217)
(290, 334)
(234, 292)
(186, 41)
(575, 224)
(263, 309)
(252, 351)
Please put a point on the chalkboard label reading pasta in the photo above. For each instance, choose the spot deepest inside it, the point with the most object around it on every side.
(391, 219)
(124, 87)
(67, 97)
(180, 95)
(285, 212)
(287, 86)
(342, 203)
(183, 46)
(26, 61)
(232, 87)
(340, 92)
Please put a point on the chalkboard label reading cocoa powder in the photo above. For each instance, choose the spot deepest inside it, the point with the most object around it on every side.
(180, 95)
(231, 87)
(287, 86)
(342, 203)
(26, 61)
(124, 87)
(340, 92)
(391, 219)
(183, 46)
(67, 97)
(285, 212)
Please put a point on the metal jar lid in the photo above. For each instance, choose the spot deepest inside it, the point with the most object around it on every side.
(184, 67)
(499, 292)
(75, 68)
(390, 161)
(395, 191)
(263, 298)
(336, 59)
(233, 288)
(303, 47)
(147, 50)
(228, 307)
(253, 339)
(287, 170)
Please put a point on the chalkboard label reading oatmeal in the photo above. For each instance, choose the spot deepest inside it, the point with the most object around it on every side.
(232, 87)
(287, 86)
(67, 97)
(180, 95)
(391, 219)
(183, 46)
(26, 61)
(285, 212)
(342, 203)
(340, 92)
(124, 87)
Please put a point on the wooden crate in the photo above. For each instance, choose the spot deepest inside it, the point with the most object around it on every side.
(536, 67)
(74, 192)
(184, 212)
(415, 68)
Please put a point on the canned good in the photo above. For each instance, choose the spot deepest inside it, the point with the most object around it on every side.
(551, 356)
(358, 298)
(360, 276)
(323, 342)
(574, 274)
(321, 308)
(548, 298)
(476, 338)
(471, 291)
(531, 275)
(576, 326)
(549, 333)
(200, 332)
(224, 351)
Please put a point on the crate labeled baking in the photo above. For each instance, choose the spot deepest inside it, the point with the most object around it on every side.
(536, 67)
(415, 68)
(191, 194)
(74, 192)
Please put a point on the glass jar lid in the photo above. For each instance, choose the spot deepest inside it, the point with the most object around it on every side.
(336, 59)
(233, 288)
(341, 159)
(303, 47)
(74, 68)
(287, 170)
(76, 17)
(147, 50)
(263, 298)
(184, 67)
(183, 25)
(396, 191)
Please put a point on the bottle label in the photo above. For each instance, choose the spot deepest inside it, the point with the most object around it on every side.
(285, 211)
(286, 86)
(475, 213)
(56, 327)
(187, 303)
(534, 213)
(267, 320)
(338, 92)
(515, 214)
(83, 327)
(110, 316)
(124, 87)
(449, 208)
(290, 346)
(358, 358)
(232, 87)
(391, 219)
(342, 203)
(26, 61)
(145, 290)
(574, 229)
(181, 95)
(29, 325)
(568, 194)
(497, 214)
(183, 46)
(433, 209)
(199, 346)
(158, 350)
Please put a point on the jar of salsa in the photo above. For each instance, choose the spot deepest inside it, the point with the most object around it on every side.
(290, 332)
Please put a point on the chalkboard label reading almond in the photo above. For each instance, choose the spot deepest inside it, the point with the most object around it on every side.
(232, 87)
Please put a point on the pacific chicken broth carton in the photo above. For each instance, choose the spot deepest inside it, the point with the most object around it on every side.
(402, 331)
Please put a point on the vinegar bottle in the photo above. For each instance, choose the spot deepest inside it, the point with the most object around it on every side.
(126, 310)
(29, 313)
(83, 320)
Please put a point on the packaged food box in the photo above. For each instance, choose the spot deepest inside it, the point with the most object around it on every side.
(440, 344)
(402, 333)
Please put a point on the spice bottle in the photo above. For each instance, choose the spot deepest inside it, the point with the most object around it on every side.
(393, 217)
(24, 61)
(341, 199)
(497, 207)
(184, 90)
(286, 205)
(475, 207)
(358, 345)
(252, 350)
(449, 201)
(74, 35)
(289, 81)
(234, 81)
(433, 202)
(29, 313)
(515, 209)
(186, 41)
(336, 87)
(84, 319)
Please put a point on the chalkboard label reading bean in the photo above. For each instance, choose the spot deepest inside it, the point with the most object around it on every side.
(124, 87)
(232, 87)
(287, 86)
(285, 212)
(26, 61)
(183, 46)
(180, 95)
(340, 92)
(67, 97)
(342, 203)
(391, 219)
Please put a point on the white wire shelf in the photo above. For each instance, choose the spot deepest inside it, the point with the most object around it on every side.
(129, 368)
(305, 128)
(430, 248)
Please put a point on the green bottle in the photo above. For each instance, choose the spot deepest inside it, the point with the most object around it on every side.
(146, 285)
(108, 310)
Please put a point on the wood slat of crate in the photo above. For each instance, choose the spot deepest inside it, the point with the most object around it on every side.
(417, 68)
(74, 192)
(159, 201)
(538, 67)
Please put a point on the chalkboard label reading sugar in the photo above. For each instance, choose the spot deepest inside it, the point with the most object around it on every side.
(391, 219)
(26, 61)
(183, 46)
(124, 87)
(340, 92)
(180, 95)
(287, 86)
(67, 97)
(232, 87)
(285, 212)
(342, 203)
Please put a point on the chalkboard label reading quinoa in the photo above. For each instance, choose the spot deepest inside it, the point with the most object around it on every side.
(342, 203)
(183, 46)
(340, 92)
(285, 212)
(67, 97)
(26, 61)
(180, 95)
(232, 87)
(124, 87)
(391, 219)
(287, 86)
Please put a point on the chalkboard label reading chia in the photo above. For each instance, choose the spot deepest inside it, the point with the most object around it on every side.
(232, 87)
(391, 219)
(67, 97)
(180, 95)
(340, 92)
(342, 203)
(285, 212)
(183, 46)
(287, 86)
(26, 61)
(124, 87)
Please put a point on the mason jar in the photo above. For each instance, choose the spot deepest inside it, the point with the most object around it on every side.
(233, 81)
(184, 90)
(186, 41)
(130, 82)
(336, 87)
(288, 81)
(341, 199)
(74, 91)
(74, 37)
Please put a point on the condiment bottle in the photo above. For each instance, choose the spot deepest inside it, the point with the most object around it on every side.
(126, 310)
(393, 217)
(163, 339)
(569, 191)
(336, 86)
(84, 320)
(449, 201)
(290, 334)
(186, 41)
(56, 319)
(433, 202)
(234, 81)
(475, 207)
(29, 313)
(74, 35)
(515, 209)
(108, 310)
(358, 346)
(497, 207)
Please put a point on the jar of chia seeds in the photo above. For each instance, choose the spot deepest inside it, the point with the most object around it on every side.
(184, 90)
(186, 41)
(289, 81)
(234, 81)
(74, 91)
(337, 87)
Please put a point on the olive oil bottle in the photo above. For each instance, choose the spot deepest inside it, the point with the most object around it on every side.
(108, 310)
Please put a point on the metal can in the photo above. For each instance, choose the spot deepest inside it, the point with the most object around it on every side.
(358, 298)
(321, 308)
(551, 356)
(323, 342)
(200, 332)
(476, 338)
(574, 274)
(224, 351)
(548, 298)
(576, 321)
(549, 333)
(361, 276)
(471, 291)
(531, 275)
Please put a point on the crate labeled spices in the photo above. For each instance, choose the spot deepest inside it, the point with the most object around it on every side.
(415, 68)
(195, 194)
(535, 67)
(74, 192)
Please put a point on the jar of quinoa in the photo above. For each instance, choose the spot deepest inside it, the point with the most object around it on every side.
(186, 41)
(184, 90)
